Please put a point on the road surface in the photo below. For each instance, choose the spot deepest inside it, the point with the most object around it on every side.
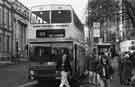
(13, 75)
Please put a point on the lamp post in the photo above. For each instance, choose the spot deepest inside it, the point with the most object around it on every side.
(121, 22)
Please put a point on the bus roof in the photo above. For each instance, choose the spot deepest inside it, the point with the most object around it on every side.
(51, 7)
(45, 40)
(55, 40)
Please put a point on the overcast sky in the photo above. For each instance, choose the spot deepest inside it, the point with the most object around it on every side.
(78, 5)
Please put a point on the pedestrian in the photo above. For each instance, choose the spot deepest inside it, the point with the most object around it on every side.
(93, 62)
(132, 59)
(126, 69)
(65, 69)
(105, 70)
(59, 60)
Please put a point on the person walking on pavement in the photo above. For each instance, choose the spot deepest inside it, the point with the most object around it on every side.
(125, 69)
(132, 68)
(66, 68)
(105, 70)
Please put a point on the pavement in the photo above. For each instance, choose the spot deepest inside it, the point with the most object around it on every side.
(13, 74)
(115, 82)
(5, 63)
(8, 62)
(86, 82)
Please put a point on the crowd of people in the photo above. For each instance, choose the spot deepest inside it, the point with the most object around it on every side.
(127, 68)
(104, 66)
(100, 68)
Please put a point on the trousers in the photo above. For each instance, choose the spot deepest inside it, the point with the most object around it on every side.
(64, 79)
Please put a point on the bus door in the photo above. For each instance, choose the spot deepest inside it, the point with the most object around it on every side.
(79, 52)
(75, 55)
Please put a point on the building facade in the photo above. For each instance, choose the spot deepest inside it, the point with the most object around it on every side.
(6, 29)
(21, 23)
(14, 18)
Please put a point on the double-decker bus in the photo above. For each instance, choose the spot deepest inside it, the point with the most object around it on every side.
(54, 28)
(56, 21)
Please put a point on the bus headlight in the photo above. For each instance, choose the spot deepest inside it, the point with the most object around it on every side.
(32, 72)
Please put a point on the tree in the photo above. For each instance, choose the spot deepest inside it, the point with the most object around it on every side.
(129, 15)
(102, 11)
(129, 6)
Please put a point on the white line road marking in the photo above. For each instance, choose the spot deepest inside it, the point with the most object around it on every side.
(29, 84)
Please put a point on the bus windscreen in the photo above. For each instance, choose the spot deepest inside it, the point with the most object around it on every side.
(46, 53)
(61, 16)
(40, 53)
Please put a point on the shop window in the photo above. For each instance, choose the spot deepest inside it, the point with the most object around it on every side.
(10, 21)
(1, 16)
(5, 44)
(1, 42)
(6, 17)
(8, 43)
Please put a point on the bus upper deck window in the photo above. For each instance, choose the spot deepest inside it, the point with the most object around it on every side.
(61, 16)
(43, 16)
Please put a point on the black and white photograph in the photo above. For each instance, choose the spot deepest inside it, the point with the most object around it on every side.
(67, 43)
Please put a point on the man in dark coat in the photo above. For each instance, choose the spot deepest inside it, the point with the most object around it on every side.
(65, 68)
(105, 70)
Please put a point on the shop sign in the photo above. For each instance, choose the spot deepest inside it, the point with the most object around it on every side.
(20, 8)
(96, 29)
